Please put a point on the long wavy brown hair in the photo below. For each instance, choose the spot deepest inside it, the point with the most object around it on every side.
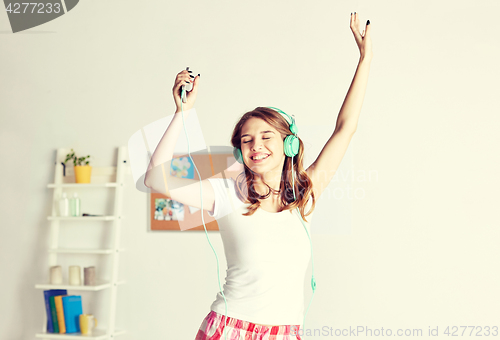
(244, 183)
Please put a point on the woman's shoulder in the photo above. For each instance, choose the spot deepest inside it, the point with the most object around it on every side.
(225, 187)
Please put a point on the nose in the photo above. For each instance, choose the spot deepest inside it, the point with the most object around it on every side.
(256, 146)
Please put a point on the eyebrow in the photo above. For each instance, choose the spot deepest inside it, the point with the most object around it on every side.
(260, 132)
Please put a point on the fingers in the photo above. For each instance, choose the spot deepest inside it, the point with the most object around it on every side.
(183, 78)
(355, 26)
(195, 83)
(195, 80)
(354, 20)
(355, 23)
(368, 28)
(366, 31)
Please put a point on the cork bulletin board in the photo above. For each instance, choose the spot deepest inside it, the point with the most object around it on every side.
(166, 214)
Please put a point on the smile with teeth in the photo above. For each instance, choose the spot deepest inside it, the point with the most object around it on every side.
(257, 158)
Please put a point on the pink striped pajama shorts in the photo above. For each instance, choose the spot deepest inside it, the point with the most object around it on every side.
(212, 328)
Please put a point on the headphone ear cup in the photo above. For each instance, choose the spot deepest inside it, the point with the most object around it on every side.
(291, 146)
(237, 154)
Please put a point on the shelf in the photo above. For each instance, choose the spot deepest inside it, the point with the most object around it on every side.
(97, 334)
(85, 185)
(83, 251)
(83, 218)
(64, 182)
(100, 285)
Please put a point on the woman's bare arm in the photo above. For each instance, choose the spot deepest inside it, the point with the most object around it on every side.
(158, 171)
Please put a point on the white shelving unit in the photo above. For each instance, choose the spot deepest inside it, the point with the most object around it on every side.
(101, 177)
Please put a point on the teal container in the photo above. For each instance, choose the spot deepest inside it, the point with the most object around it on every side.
(74, 205)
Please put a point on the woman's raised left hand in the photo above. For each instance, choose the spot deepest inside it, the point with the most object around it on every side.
(363, 40)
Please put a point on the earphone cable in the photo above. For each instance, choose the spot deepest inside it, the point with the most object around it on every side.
(203, 220)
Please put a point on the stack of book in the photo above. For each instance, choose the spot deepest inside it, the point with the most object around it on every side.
(63, 311)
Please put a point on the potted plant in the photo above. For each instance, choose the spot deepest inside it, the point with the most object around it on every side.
(81, 166)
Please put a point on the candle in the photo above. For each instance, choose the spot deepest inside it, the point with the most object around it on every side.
(56, 275)
(74, 276)
(89, 276)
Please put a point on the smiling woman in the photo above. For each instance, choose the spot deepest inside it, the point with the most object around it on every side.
(260, 135)
(264, 247)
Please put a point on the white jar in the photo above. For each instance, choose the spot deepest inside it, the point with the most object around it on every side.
(64, 205)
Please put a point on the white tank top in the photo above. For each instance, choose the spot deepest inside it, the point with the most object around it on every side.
(267, 257)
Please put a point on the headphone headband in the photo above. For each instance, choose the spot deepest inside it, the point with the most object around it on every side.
(290, 122)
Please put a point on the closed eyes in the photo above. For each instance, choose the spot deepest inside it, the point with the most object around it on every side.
(250, 140)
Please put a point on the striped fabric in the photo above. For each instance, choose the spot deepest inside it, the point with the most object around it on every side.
(212, 328)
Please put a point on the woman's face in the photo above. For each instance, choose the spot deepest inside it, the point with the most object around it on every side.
(260, 139)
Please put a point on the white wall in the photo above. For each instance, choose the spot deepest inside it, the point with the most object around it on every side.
(423, 251)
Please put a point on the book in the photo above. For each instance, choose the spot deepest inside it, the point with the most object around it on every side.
(54, 314)
(72, 308)
(47, 294)
(60, 313)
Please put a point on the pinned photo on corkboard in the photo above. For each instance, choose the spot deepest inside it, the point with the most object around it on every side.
(167, 214)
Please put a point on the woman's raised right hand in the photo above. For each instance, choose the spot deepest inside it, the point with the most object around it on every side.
(183, 78)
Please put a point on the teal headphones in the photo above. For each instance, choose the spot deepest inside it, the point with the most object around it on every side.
(291, 148)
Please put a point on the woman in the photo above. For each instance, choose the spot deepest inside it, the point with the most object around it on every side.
(265, 245)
